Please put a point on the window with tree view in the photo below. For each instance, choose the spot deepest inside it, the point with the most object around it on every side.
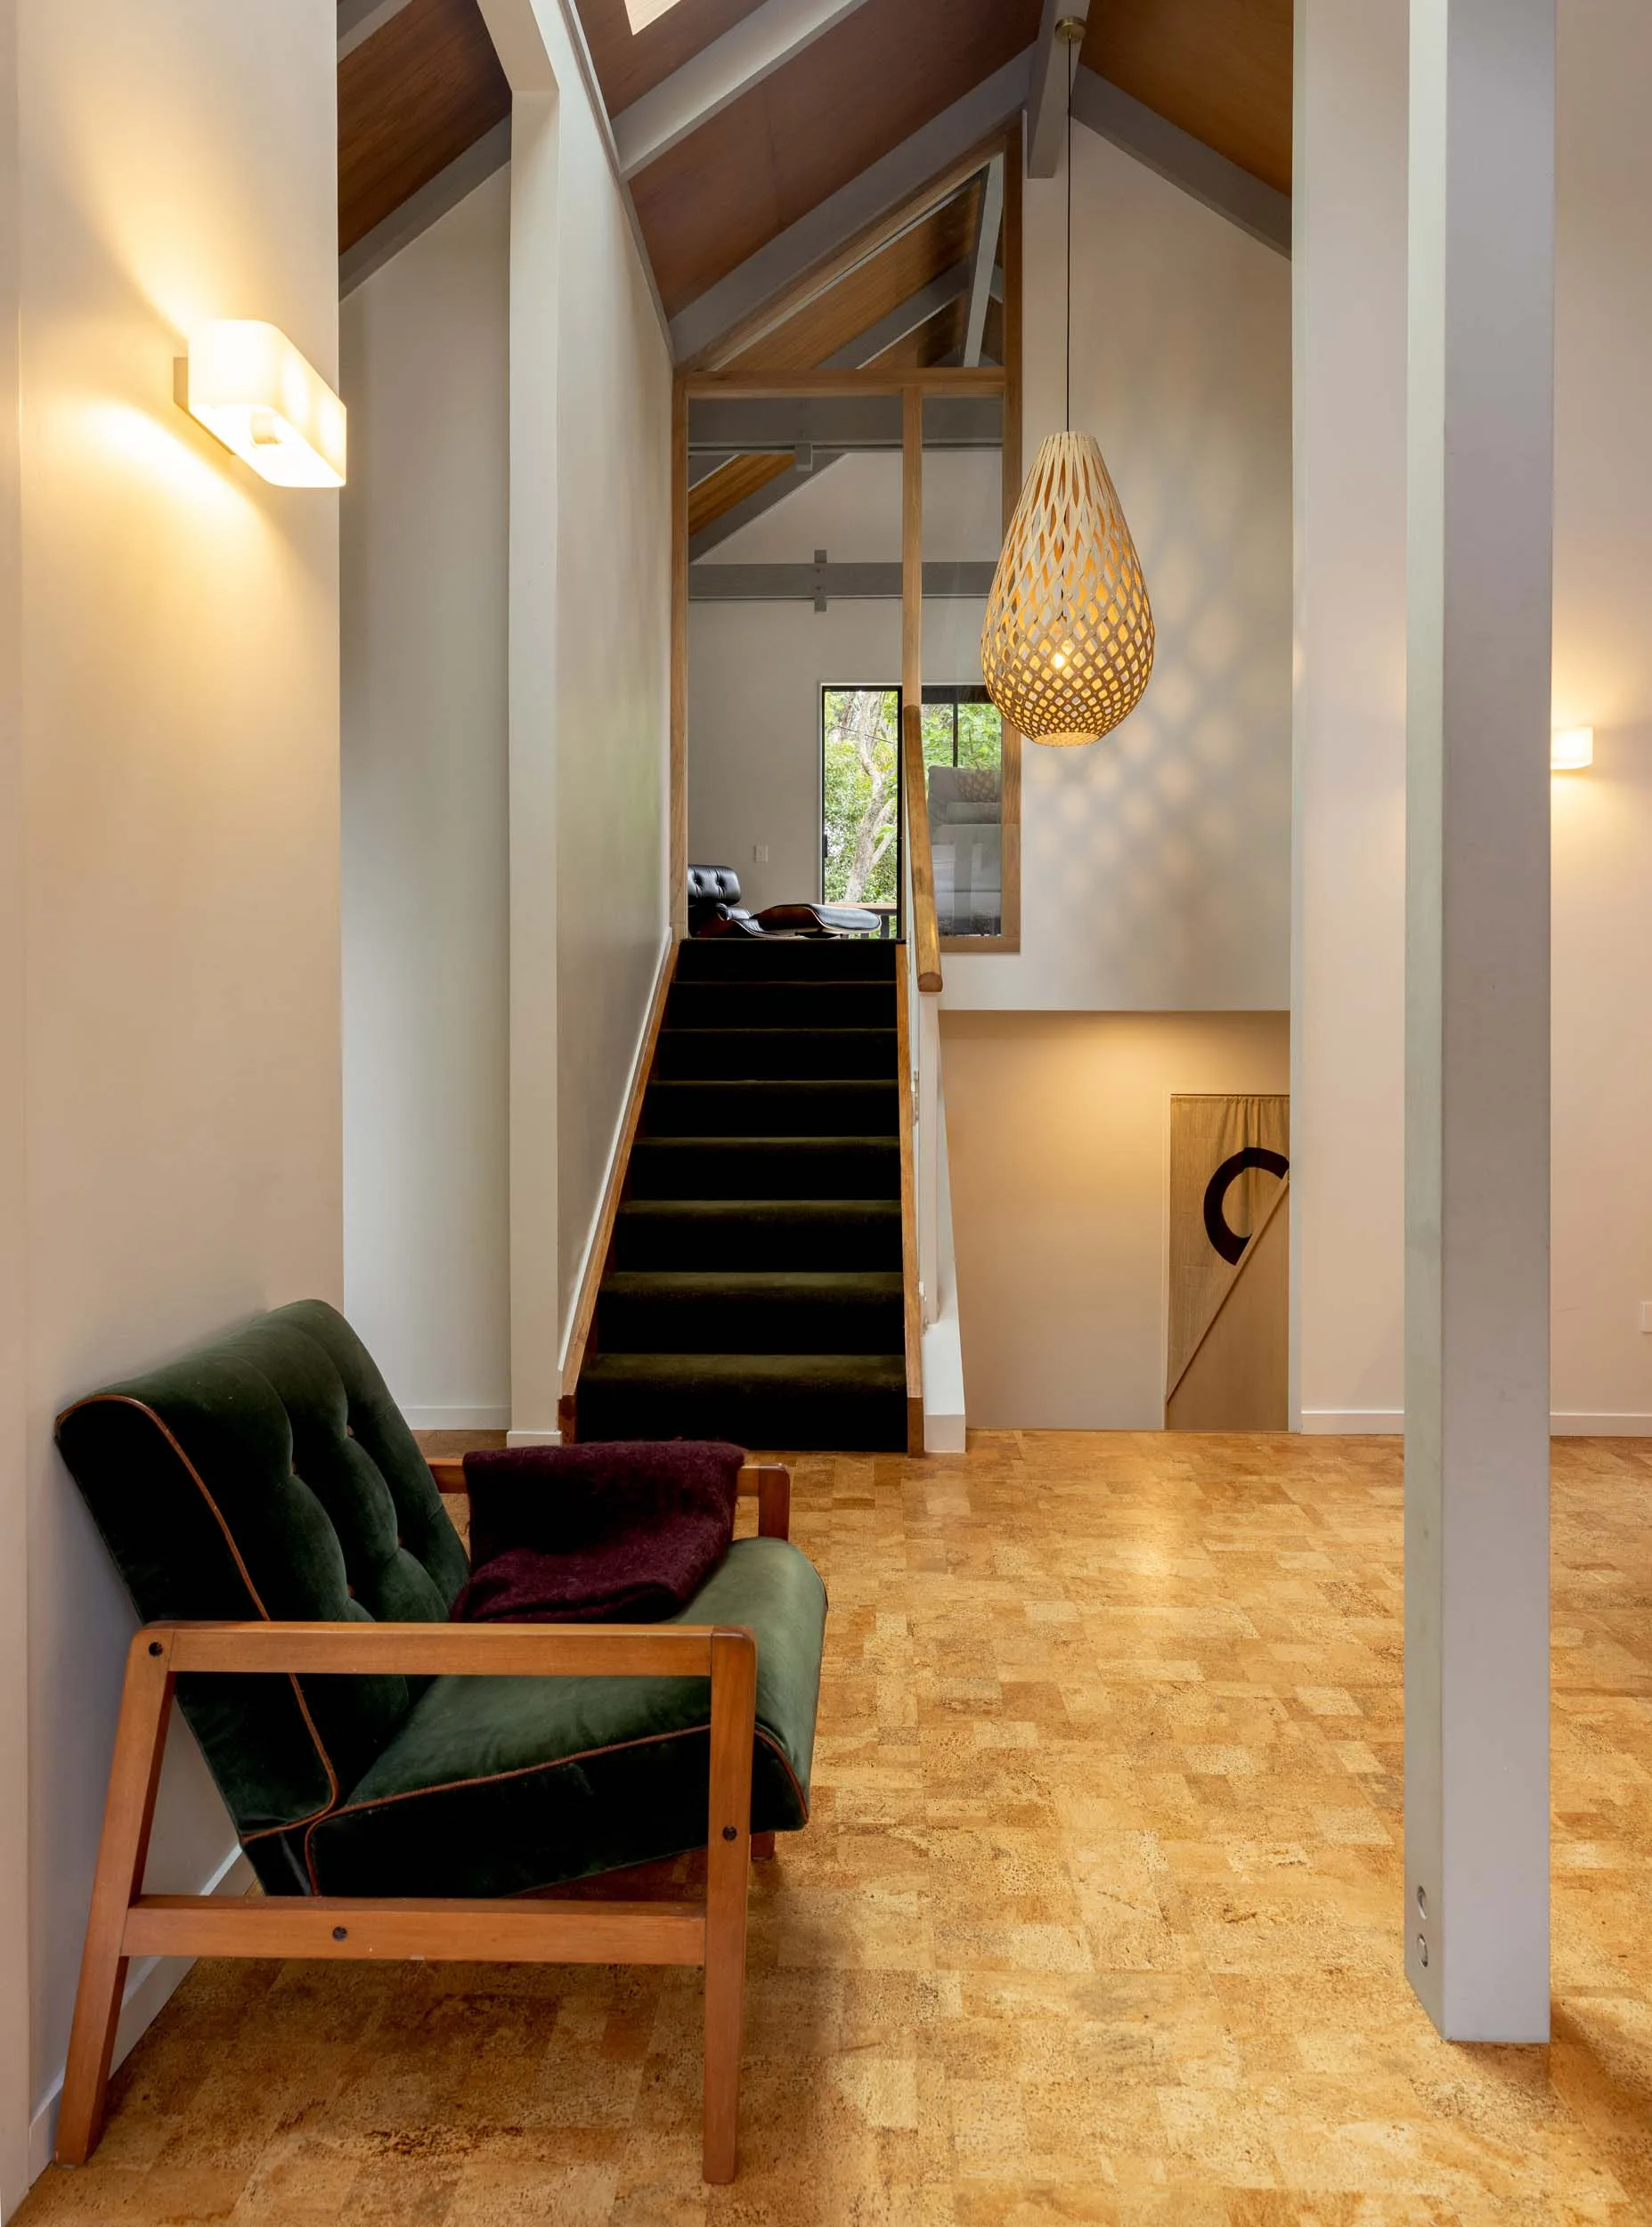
(860, 789)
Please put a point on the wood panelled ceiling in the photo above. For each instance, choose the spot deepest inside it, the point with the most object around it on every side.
(731, 483)
(1220, 68)
(427, 85)
(784, 147)
(870, 291)
(411, 99)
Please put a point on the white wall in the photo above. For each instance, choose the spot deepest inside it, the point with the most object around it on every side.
(1348, 987)
(1156, 863)
(426, 881)
(1602, 822)
(507, 706)
(613, 677)
(1346, 1197)
(1058, 1129)
(177, 744)
(755, 672)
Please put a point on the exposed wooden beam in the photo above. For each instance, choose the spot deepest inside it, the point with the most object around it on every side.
(424, 208)
(984, 261)
(1243, 198)
(778, 424)
(765, 41)
(819, 247)
(1046, 95)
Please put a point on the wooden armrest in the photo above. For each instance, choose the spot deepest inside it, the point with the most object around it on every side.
(518, 1651)
(769, 1483)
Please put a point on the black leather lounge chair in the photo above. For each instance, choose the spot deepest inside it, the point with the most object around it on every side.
(714, 908)
(406, 1786)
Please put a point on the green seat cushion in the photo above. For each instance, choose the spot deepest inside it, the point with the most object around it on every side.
(497, 1786)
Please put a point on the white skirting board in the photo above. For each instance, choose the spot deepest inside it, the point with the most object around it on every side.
(150, 1982)
(943, 1387)
(457, 1418)
(1337, 1422)
(1352, 1423)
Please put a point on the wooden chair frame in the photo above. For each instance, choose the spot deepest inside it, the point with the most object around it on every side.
(126, 1922)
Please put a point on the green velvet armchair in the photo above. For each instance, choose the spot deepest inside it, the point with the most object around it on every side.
(406, 1786)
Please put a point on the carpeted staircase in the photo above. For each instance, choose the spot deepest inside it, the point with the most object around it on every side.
(754, 1289)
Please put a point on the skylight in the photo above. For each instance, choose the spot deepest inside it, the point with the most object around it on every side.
(642, 13)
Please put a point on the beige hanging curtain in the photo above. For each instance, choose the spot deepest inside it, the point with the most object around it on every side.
(1206, 1134)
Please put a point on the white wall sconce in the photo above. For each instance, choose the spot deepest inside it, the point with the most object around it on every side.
(251, 387)
(1571, 749)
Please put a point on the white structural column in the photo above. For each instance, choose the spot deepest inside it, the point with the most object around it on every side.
(1347, 1033)
(535, 280)
(1476, 1140)
(16, 2085)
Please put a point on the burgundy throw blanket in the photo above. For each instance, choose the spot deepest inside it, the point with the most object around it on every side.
(619, 1534)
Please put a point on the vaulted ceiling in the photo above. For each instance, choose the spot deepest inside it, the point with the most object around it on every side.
(419, 92)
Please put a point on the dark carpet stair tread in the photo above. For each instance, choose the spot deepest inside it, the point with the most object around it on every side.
(839, 1402)
(756, 1310)
(751, 958)
(779, 1004)
(766, 1166)
(823, 1106)
(758, 1233)
(747, 1054)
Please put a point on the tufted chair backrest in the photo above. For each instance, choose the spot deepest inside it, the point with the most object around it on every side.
(271, 1476)
(709, 886)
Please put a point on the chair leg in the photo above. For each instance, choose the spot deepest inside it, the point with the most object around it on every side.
(762, 1848)
(727, 1875)
(128, 1815)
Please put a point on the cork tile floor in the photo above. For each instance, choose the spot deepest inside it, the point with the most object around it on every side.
(1096, 1920)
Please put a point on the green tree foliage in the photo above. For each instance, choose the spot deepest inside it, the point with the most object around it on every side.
(862, 794)
(861, 781)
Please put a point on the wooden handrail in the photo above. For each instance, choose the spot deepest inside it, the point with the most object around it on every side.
(925, 931)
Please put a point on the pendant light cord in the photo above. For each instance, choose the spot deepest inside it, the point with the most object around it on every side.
(1072, 71)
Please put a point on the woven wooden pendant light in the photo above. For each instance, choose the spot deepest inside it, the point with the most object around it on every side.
(1067, 648)
(1068, 643)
